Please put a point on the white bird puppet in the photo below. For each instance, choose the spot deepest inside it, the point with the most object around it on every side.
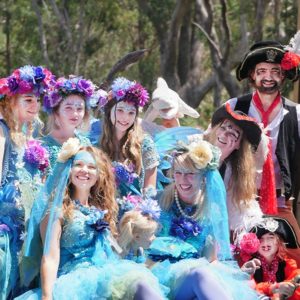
(167, 104)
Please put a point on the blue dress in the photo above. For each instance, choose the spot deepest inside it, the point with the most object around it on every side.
(20, 183)
(128, 181)
(88, 267)
(179, 249)
(54, 147)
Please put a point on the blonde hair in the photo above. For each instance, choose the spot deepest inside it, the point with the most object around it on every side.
(6, 109)
(129, 146)
(131, 223)
(182, 160)
(51, 124)
(102, 194)
(242, 182)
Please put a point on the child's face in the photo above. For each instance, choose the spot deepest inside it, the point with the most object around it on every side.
(145, 238)
(123, 115)
(268, 245)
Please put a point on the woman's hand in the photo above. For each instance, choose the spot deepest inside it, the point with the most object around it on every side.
(251, 266)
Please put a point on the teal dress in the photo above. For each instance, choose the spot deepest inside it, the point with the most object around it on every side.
(179, 249)
(128, 182)
(88, 268)
(19, 185)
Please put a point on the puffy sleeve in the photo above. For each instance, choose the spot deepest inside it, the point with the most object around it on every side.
(150, 156)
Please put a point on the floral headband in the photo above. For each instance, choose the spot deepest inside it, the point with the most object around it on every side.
(123, 89)
(147, 206)
(26, 80)
(202, 153)
(67, 86)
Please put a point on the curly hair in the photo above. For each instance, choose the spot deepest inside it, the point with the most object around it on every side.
(102, 194)
(51, 124)
(242, 182)
(129, 147)
(7, 112)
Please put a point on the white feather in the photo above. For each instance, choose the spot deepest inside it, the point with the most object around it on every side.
(294, 44)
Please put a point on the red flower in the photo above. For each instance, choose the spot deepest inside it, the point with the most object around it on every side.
(249, 243)
(290, 61)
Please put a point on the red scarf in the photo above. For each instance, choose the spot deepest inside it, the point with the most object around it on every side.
(269, 270)
(267, 200)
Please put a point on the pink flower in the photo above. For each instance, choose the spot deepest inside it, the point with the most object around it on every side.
(249, 243)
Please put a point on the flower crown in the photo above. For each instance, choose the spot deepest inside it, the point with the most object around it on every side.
(147, 206)
(123, 89)
(26, 80)
(67, 86)
(202, 153)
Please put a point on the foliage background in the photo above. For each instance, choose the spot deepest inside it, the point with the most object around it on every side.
(88, 37)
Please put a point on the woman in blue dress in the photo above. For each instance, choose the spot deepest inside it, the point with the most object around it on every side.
(77, 232)
(67, 105)
(22, 161)
(133, 153)
(193, 244)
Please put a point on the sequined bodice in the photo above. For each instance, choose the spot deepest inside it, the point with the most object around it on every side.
(78, 239)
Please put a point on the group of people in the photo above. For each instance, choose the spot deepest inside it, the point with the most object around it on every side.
(102, 203)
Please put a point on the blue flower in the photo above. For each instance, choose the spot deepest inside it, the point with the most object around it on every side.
(39, 75)
(184, 228)
(27, 73)
(100, 225)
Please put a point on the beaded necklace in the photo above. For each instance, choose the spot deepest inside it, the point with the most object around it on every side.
(194, 216)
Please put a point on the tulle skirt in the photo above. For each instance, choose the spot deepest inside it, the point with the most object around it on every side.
(114, 280)
(227, 273)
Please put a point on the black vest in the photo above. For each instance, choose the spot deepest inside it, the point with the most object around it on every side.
(288, 145)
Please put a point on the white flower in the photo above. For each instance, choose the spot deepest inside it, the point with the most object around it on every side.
(270, 224)
(200, 153)
(69, 149)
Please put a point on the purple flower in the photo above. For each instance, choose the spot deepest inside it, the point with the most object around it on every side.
(100, 225)
(4, 228)
(86, 87)
(36, 155)
(185, 228)
(13, 84)
(137, 94)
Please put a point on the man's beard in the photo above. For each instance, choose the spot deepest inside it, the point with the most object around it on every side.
(270, 89)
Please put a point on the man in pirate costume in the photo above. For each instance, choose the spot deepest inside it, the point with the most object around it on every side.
(267, 65)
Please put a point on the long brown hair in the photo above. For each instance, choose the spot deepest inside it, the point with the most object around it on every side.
(129, 147)
(6, 109)
(102, 194)
(242, 181)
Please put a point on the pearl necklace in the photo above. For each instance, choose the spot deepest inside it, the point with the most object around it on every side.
(193, 216)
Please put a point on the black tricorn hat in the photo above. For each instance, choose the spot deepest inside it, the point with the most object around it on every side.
(250, 127)
(264, 51)
(280, 226)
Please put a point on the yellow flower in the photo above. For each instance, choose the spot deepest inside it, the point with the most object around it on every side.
(69, 149)
(201, 154)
